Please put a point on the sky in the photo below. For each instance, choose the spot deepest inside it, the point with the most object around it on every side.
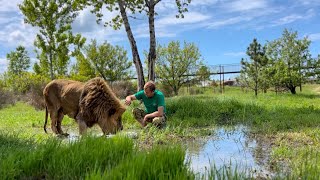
(221, 29)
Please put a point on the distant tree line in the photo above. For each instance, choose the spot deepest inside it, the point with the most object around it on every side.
(284, 64)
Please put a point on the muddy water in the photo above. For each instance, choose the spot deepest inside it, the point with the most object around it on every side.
(230, 148)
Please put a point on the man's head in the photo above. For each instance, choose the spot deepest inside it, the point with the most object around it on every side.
(149, 88)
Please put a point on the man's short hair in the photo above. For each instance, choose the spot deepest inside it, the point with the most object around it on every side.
(150, 85)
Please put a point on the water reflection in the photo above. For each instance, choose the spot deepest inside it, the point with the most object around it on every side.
(226, 148)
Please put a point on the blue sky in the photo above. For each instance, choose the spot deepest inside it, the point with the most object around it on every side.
(222, 29)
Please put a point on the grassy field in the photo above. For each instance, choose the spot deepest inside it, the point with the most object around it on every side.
(288, 123)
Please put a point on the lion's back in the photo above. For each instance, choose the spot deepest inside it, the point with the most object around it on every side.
(63, 94)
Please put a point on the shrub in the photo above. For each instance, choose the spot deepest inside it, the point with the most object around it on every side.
(34, 95)
(166, 90)
(6, 98)
(122, 88)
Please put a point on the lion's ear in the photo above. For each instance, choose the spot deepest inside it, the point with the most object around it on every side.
(113, 111)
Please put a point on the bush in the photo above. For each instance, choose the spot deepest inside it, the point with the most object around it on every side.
(166, 90)
(6, 98)
(33, 94)
(122, 88)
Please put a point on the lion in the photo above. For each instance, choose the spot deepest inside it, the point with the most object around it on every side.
(88, 103)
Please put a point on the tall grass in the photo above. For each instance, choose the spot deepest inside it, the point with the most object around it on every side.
(92, 158)
(159, 163)
(268, 113)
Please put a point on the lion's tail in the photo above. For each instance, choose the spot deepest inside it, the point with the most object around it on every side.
(45, 121)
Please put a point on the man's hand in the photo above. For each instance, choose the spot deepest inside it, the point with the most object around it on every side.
(128, 101)
(145, 118)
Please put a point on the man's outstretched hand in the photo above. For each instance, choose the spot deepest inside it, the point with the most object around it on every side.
(127, 101)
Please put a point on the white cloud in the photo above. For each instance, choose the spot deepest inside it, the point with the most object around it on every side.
(190, 18)
(308, 2)
(86, 21)
(3, 64)
(293, 18)
(17, 33)
(230, 21)
(245, 5)
(314, 37)
(203, 2)
(166, 6)
(288, 19)
(167, 26)
(235, 54)
(9, 6)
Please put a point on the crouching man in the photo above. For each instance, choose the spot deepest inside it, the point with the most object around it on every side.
(154, 103)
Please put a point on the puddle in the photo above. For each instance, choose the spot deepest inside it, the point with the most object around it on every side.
(226, 148)
(73, 134)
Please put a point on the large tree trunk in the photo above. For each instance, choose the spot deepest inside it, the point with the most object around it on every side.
(292, 89)
(152, 50)
(51, 66)
(134, 49)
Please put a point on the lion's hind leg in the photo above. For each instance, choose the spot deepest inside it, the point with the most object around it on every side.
(54, 120)
(59, 121)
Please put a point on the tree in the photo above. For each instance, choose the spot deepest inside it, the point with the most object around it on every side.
(109, 61)
(82, 70)
(134, 6)
(19, 61)
(150, 10)
(289, 55)
(174, 63)
(53, 18)
(313, 68)
(253, 70)
(203, 73)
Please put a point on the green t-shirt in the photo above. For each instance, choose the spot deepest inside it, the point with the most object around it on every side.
(152, 104)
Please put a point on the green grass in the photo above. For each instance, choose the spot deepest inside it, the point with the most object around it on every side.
(267, 113)
(92, 158)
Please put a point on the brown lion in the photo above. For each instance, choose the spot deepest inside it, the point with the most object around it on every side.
(88, 103)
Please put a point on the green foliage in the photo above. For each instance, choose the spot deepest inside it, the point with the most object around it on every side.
(108, 61)
(313, 68)
(174, 63)
(254, 73)
(288, 55)
(24, 82)
(133, 6)
(82, 70)
(53, 18)
(19, 61)
(6, 98)
(203, 73)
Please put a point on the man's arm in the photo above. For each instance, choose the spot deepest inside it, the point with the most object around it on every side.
(158, 113)
(129, 99)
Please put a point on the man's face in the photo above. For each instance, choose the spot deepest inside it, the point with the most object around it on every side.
(148, 92)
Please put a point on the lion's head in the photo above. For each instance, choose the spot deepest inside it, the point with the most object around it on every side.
(98, 104)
